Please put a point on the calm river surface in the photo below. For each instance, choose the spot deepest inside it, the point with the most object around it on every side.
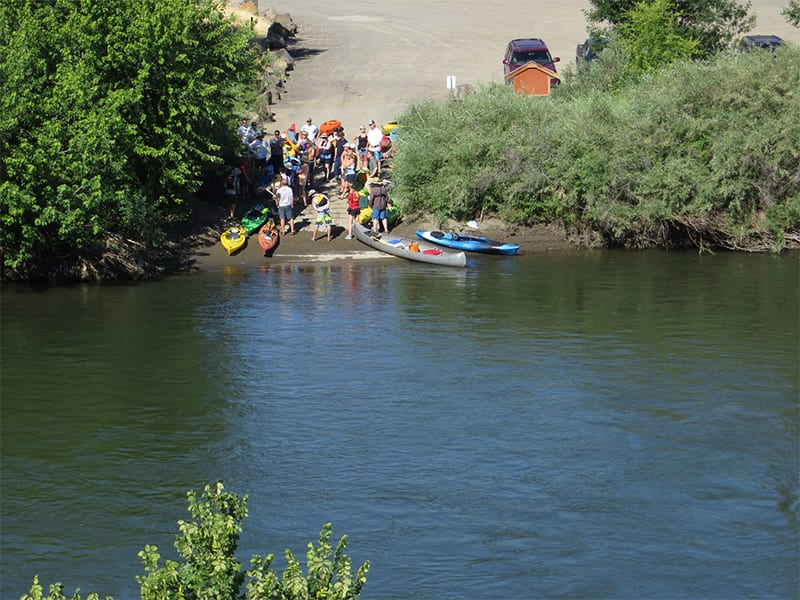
(599, 425)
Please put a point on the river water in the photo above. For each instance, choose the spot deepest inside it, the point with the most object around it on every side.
(593, 425)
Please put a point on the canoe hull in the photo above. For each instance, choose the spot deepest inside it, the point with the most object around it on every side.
(400, 247)
(468, 243)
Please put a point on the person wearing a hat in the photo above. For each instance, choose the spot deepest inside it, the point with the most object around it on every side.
(311, 129)
(323, 207)
(325, 154)
(374, 137)
(260, 150)
(378, 202)
(348, 168)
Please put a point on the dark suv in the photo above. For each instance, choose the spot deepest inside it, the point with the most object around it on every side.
(587, 51)
(765, 42)
(521, 51)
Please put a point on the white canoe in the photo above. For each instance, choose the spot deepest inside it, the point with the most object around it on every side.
(404, 248)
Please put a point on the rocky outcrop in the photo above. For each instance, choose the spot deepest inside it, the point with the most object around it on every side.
(273, 32)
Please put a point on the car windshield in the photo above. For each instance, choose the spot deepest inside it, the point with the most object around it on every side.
(526, 56)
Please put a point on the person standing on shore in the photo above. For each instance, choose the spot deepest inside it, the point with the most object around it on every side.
(276, 152)
(323, 207)
(284, 200)
(374, 138)
(353, 208)
(348, 168)
(260, 149)
(379, 202)
(361, 147)
(339, 144)
(325, 153)
(311, 129)
(233, 184)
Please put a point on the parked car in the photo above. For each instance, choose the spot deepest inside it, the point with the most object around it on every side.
(587, 51)
(764, 42)
(526, 50)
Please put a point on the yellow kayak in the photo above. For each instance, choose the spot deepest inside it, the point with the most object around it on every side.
(233, 239)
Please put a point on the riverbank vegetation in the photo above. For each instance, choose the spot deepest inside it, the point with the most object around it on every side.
(697, 153)
(208, 567)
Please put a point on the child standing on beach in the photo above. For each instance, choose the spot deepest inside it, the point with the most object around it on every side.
(353, 210)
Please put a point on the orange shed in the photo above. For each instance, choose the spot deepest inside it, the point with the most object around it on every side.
(532, 79)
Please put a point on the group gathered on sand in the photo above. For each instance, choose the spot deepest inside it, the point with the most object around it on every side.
(286, 166)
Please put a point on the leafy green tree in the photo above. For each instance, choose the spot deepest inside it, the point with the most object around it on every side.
(651, 37)
(792, 13)
(209, 570)
(109, 113)
(715, 24)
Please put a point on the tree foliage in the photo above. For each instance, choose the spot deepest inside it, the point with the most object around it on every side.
(651, 37)
(792, 13)
(209, 570)
(110, 111)
(715, 24)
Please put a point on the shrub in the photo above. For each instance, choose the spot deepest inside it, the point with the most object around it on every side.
(699, 153)
(209, 569)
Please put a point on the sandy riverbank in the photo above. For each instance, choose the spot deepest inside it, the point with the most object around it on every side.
(208, 253)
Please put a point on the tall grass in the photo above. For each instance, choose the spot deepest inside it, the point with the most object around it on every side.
(702, 153)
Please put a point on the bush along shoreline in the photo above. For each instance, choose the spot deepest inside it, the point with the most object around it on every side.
(701, 154)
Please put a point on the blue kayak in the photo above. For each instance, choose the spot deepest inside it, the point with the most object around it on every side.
(467, 243)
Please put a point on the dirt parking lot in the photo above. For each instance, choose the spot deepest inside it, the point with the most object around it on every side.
(370, 59)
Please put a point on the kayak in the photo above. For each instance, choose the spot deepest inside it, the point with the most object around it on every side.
(255, 218)
(409, 249)
(233, 239)
(330, 126)
(467, 243)
(387, 128)
(268, 237)
(392, 216)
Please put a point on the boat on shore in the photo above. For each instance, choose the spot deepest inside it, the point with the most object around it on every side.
(268, 237)
(419, 251)
(467, 243)
(233, 239)
(254, 218)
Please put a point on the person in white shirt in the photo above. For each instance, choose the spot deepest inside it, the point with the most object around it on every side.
(311, 129)
(243, 132)
(374, 138)
(261, 151)
(284, 200)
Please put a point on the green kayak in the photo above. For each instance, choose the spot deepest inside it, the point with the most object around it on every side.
(254, 218)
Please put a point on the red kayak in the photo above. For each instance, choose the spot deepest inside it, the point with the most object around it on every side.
(268, 237)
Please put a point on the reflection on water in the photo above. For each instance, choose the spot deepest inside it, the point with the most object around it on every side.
(598, 425)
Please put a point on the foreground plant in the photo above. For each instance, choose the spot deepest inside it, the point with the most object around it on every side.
(209, 570)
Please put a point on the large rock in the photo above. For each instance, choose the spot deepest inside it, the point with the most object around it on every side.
(283, 60)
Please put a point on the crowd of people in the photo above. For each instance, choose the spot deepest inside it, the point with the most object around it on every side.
(286, 166)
